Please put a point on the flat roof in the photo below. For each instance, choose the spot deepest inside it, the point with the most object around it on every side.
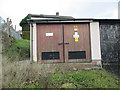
(71, 20)
(35, 18)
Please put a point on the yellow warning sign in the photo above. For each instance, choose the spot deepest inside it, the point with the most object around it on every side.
(75, 27)
(76, 39)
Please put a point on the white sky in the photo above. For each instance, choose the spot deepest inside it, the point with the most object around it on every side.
(18, 9)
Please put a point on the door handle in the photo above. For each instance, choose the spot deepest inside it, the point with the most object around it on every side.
(66, 43)
(62, 43)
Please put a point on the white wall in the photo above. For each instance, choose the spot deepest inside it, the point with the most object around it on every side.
(119, 9)
(95, 41)
(94, 36)
(33, 49)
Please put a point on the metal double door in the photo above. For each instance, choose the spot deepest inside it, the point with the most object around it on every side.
(63, 43)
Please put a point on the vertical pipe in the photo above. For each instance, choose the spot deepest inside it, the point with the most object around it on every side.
(31, 39)
(63, 43)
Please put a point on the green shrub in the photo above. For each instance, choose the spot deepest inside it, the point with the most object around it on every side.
(22, 47)
(19, 49)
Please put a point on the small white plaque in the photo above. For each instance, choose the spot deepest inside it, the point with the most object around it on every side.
(75, 29)
(76, 35)
(49, 34)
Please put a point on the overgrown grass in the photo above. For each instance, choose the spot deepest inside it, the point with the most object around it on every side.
(35, 85)
(19, 48)
(30, 75)
(84, 79)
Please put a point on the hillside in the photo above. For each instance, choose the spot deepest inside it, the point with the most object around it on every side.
(25, 74)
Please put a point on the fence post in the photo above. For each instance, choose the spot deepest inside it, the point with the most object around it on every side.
(8, 26)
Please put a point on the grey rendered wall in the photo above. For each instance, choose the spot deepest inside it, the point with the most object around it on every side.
(110, 41)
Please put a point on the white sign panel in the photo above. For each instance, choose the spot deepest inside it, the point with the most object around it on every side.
(75, 29)
(76, 35)
(49, 34)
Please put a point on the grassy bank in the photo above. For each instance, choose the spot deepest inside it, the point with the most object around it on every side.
(18, 49)
(30, 76)
(83, 79)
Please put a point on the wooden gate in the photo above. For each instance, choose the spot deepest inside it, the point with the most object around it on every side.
(63, 43)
